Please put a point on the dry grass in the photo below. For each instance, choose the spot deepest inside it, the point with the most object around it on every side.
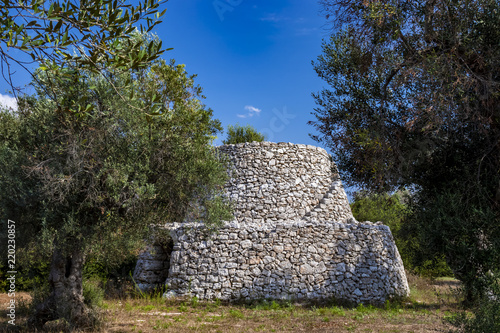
(425, 311)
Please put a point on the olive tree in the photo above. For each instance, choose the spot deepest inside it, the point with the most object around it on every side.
(93, 35)
(89, 180)
(413, 102)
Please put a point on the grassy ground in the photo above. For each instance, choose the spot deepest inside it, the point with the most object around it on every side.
(426, 310)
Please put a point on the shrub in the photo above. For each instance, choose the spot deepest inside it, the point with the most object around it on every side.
(393, 211)
(387, 208)
(486, 316)
(241, 134)
(93, 292)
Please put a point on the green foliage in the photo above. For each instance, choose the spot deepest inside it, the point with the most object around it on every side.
(241, 134)
(109, 268)
(93, 292)
(485, 317)
(414, 102)
(433, 266)
(32, 269)
(236, 314)
(393, 212)
(463, 229)
(106, 167)
(95, 269)
(390, 209)
(265, 304)
(408, 79)
(4, 283)
(195, 302)
(336, 311)
(93, 35)
(89, 183)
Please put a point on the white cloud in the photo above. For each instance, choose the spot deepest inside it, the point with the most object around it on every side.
(252, 110)
(274, 18)
(305, 31)
(8, 102)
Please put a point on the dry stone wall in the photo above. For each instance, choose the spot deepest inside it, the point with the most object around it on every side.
(152, 267)
(283, 182)
(293, 237)
(287, 260)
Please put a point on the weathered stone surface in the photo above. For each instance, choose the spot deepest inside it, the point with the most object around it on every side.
(152, 268)
(369, 273)
(293, 237)
(284, 181)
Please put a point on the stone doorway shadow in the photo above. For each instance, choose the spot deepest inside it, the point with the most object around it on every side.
(153, 265)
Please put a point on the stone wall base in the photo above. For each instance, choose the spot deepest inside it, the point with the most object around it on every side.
(355, 262)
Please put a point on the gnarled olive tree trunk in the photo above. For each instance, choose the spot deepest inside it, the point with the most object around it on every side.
(66, 297)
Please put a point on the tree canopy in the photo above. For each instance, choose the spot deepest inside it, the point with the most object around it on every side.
(95, 180)
(406, 78)
(414, 101)
(92, 35)
(241, 134)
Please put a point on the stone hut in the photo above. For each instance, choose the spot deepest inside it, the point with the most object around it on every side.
(293, 237)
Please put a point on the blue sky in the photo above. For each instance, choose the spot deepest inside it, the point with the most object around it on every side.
(253, 60)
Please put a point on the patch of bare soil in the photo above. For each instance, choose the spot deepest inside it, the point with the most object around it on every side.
(19, 296)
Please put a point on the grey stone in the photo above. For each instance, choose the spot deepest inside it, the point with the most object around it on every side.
(293, 236)
(306, 269)
(246, 244)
